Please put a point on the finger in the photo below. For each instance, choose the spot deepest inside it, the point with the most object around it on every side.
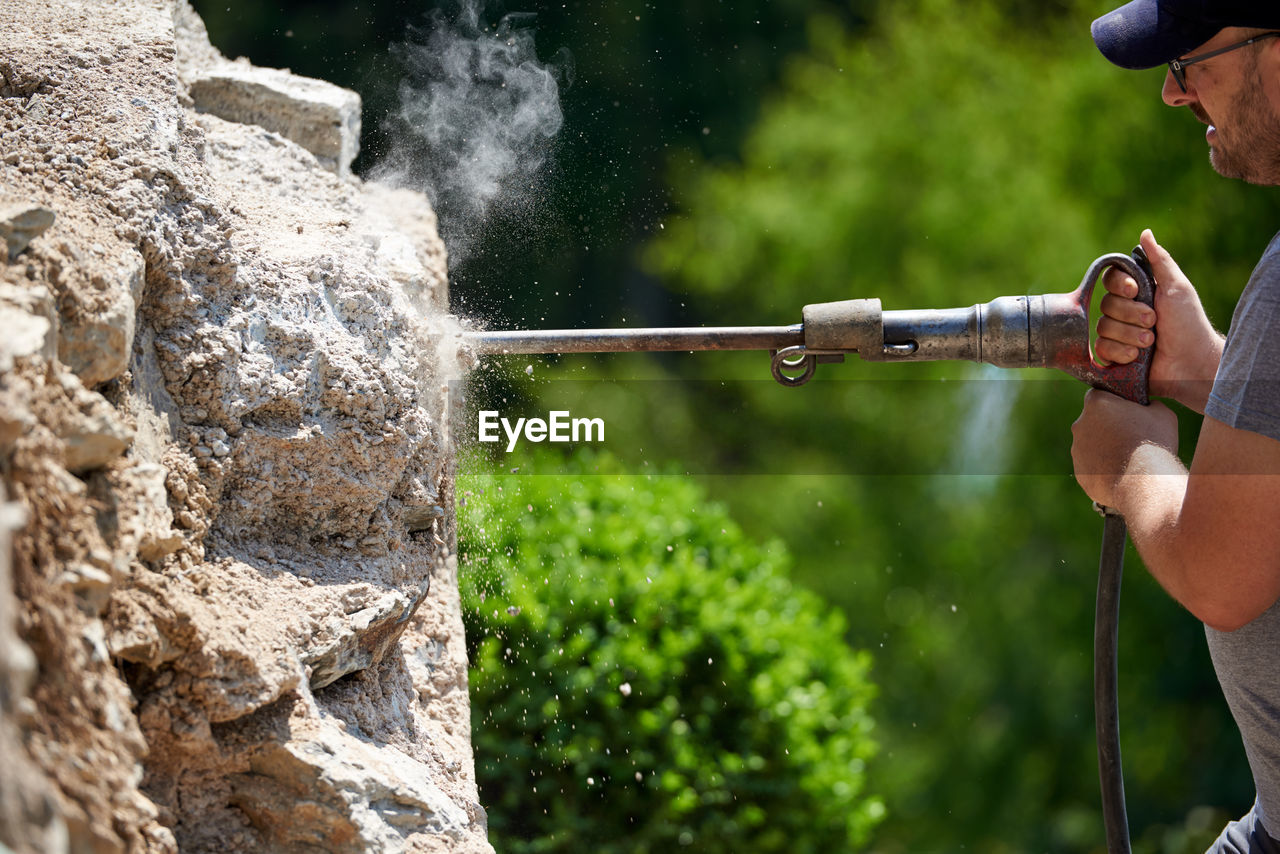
(1120, 283)
(1095, 399)
(1080, 425)
(1125, 333)
(1128, 311)
(1165, 268)
(1111, 352)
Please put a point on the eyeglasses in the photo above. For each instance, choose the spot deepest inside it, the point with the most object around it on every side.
(1179, 66)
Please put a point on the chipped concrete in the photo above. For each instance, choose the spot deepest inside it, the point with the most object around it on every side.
(222, 435)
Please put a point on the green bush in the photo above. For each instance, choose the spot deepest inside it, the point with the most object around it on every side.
(644, 677)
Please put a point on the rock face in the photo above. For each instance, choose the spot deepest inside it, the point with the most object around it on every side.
(230, 621)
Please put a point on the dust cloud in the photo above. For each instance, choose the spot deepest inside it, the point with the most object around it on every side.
(477, 119)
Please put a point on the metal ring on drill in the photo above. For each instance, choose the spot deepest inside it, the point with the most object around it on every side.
(793, 358)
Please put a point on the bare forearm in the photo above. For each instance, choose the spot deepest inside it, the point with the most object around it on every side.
(1210, 536)
(1150, 494)
(1202, 561)
(1193, 559)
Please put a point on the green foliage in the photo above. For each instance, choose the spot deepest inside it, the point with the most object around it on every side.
(940, 159)
(944, 158)
(645, 677)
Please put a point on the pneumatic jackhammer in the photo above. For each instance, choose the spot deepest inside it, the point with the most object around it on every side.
(1048, 330)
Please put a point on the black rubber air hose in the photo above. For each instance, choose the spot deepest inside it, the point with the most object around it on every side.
(1106, 700)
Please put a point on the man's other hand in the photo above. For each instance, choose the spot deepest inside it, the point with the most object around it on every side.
(1107, 435)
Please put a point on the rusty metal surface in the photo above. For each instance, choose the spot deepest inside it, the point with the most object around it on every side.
(1067, 326)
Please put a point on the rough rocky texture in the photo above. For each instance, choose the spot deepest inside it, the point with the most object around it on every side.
(20, 224)
(322, 118)
(231, 620)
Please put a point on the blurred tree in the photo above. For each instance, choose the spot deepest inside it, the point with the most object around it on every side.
(942, 159)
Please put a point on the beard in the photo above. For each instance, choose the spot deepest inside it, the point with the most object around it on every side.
(1249, 147)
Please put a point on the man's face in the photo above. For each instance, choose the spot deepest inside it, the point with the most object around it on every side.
(1235, 94)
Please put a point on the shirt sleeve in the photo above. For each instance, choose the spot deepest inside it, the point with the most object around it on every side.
(1246, 391)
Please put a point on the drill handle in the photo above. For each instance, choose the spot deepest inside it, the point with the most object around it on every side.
(1132, 380)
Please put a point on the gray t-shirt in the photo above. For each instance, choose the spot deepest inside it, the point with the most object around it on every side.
(1246, 395)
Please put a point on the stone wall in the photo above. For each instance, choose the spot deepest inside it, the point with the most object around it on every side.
(230, 621)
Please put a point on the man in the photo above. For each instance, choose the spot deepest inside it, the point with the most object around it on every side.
(1210, 535)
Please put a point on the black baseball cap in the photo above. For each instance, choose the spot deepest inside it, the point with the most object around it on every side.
(1148, 33)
